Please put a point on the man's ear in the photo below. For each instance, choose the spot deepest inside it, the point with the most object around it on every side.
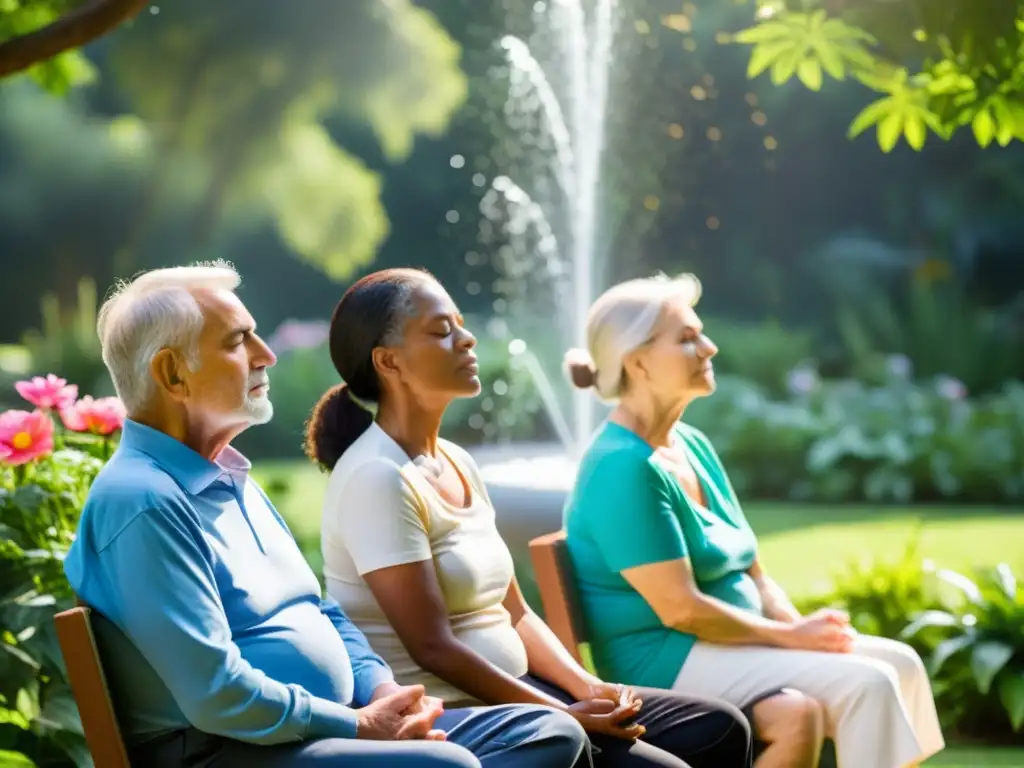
(168, 371)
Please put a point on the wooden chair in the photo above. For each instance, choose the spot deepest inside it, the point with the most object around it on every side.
(89, 685)
(553, 572)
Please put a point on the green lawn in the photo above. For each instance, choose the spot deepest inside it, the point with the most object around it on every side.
(801, 545)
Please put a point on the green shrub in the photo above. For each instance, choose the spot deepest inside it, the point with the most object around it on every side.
(882, 596)
(978, 664)
(969, 632)
(847, 441)
(938, 329)
(764, 353)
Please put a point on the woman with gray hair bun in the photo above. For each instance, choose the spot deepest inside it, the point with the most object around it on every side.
(672, 589)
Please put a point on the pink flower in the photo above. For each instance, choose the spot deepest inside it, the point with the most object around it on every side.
(51, 392)
(25, 436)
(101, 417)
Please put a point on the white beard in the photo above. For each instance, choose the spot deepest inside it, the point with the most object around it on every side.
(257, 409)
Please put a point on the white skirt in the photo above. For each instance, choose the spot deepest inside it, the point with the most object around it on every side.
(878, 700)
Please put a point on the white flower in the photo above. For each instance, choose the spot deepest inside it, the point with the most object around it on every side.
(899, 366)
(950, 388)
(802, 380)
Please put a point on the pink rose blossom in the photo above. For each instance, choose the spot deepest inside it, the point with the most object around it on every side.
(25, 436)
(51, 392)
(100, 417)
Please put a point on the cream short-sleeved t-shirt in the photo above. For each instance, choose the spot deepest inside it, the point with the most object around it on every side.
(379, 511)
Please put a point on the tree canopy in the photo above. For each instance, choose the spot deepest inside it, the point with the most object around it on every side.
(938, 66)
(42, 36)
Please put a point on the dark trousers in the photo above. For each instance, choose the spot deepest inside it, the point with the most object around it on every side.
(682, 732)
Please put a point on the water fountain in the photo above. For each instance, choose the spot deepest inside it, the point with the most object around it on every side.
(550, 257)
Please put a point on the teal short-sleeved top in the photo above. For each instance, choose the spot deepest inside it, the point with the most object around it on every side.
(628, 510)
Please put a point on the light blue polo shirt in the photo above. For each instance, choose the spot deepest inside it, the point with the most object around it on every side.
(213, 617)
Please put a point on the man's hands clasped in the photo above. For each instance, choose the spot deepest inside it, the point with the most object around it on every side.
(400, 713)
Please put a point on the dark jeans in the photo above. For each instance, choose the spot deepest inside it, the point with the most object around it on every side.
(682, 732)
(483, 737)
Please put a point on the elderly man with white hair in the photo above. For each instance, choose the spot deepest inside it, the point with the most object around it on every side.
(218, 646)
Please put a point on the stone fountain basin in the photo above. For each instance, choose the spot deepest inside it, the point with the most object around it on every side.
(528, 484)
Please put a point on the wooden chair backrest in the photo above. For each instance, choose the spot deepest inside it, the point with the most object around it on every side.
(89, 685)
(553, 572)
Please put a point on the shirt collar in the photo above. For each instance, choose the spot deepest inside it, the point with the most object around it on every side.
(191, 471)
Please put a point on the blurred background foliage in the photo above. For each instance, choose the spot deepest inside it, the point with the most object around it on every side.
(866, 291)
(312, 144)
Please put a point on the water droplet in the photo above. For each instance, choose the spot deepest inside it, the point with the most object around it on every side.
(751, 99)
(500, 387)
(698, 93)
(487, 405)
(652, 203)
(770, 143)
(452, 217)
(457, 161)
(476, 421)
(677, 21)
(714, 134)
(472, 288)
(642, 27)
(516, 347)
(690, 44)
(759, 118)
(675, 130)
(154, 9)
(479, 180)
(472, 258)
(713, 222)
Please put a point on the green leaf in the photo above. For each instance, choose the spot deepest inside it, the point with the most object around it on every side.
(20, 655)
(859, 57)
(870, 115)
(1011, 694)
(809, 72)
(967, 587)
(764, 55)
(33, 600)
(984, 127)
(1005, 121)
(60, 713)
(10, 759)
(766, 31)
(914, 130)
(929, 619)
(785, 65)
(1006, 580)
(987, 660)
(889, 131)
(948, 648)
(831, 60)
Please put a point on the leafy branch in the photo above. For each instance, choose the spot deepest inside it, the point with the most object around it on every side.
(936, 70)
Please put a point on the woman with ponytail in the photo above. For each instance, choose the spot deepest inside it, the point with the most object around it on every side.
(412, 553)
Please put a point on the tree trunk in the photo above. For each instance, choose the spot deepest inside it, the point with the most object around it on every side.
(72, 30)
